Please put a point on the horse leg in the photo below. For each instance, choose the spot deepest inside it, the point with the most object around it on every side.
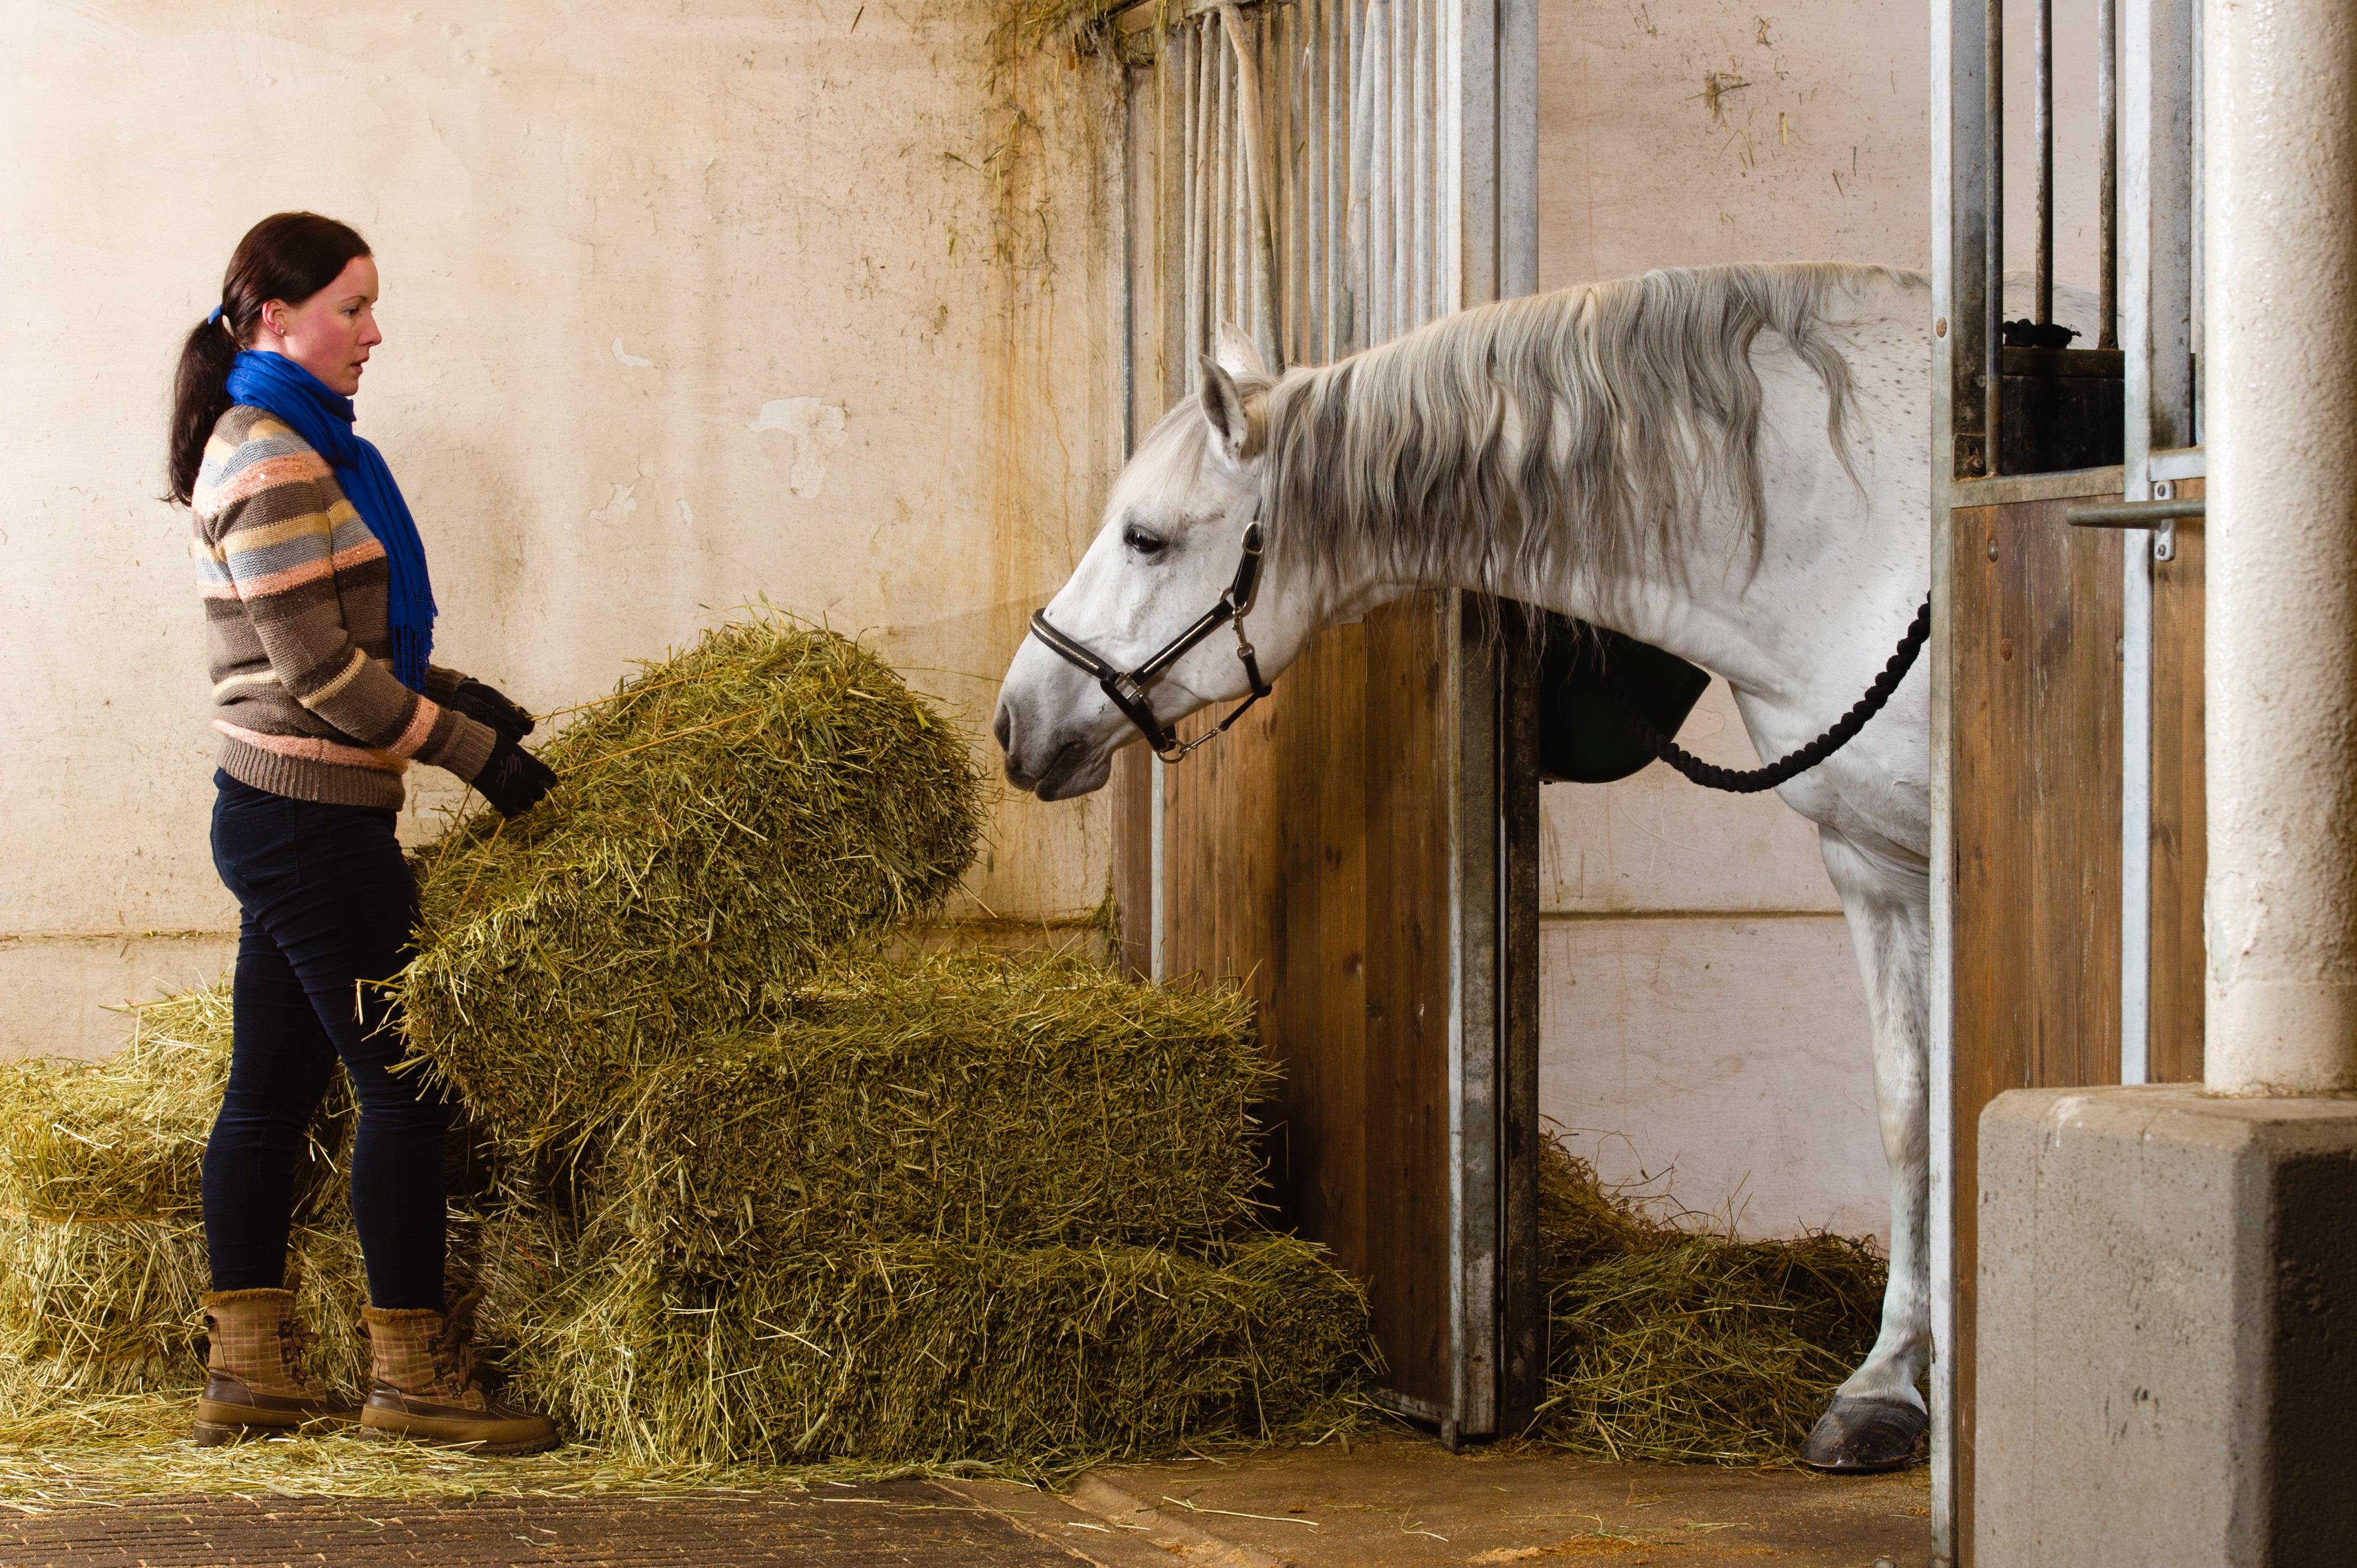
(1877, 1418)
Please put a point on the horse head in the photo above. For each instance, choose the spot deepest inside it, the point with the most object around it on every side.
(1110, 659)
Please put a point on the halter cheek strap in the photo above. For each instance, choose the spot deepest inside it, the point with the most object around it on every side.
(1129, 689)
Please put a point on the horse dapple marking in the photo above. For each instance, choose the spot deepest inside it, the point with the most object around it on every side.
(1728, 463)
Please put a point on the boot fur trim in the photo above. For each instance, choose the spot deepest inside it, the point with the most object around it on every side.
(213, 1298)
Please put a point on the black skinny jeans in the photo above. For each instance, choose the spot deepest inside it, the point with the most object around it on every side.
(329, 906)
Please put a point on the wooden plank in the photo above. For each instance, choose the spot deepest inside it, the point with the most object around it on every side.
(2180, 860)
(1314, 984)
(1407, 996)
(1132, 792)
(1523, 1336)
(2036, 618)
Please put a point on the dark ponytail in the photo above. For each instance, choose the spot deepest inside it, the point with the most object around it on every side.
(289, 256)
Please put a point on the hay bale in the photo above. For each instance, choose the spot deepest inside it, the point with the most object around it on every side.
(1666, 1345)
(102, 1234)
(980, 1098)
(755, 1194)
(733, 817)
(1040, 1359)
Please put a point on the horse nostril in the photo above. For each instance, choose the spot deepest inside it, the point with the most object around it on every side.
(1002, 726)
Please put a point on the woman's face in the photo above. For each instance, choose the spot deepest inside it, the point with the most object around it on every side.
(331, 333)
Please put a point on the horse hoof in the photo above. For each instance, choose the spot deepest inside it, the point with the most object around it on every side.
(1861, 1436)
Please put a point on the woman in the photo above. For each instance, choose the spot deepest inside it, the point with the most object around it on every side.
(318, 623)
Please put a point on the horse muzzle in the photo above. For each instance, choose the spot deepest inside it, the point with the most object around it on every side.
(1053, 763)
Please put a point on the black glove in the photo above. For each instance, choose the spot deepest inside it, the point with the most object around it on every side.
(487, 704)
(513, 781)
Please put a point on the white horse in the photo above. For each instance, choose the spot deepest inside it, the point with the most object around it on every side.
(1734, 467)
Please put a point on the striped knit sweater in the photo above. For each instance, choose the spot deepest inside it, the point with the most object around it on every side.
(296, 630)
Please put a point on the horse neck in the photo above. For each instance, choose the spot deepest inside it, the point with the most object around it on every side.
(1823, 566)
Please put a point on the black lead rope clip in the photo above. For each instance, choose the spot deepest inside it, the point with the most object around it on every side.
(1128, 688)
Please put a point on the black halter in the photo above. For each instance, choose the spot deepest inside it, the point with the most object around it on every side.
(1128, 689)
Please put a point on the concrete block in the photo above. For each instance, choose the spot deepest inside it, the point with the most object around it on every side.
(2167, 1344)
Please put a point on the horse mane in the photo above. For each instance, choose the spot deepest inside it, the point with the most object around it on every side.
(1642, 387)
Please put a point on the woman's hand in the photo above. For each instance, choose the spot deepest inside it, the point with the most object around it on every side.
(486, 703)
(513, 781)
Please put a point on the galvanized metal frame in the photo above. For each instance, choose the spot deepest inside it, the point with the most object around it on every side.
(2155, 300)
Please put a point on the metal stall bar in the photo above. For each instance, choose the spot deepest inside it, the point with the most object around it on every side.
(1960, 329)
(2156, 331)
(2042, 45)
(2107, 202)
(1992, 242)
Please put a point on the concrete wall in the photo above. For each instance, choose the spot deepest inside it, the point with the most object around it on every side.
(684, 308)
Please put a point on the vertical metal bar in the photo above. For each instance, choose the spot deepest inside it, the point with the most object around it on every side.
(1959, 236)
(1373, 193)
(1223, 186)
(1424, 192)
(1993, 257)
(2156, 335)
(1402, 156)
(2043, 41)
(1316, 190)
(1257, 206)
(1129, 111)
(1199, 216)
(1518, 148)
(1351, 107)
(2107, 192)
(1290, 76)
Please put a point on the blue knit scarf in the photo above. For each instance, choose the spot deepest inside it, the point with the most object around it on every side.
(278, 384)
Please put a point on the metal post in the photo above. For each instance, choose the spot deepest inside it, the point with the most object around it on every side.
(2043, 40)
(2156, 331)
(2108, 196)
(1993, 254)
(1960, 198)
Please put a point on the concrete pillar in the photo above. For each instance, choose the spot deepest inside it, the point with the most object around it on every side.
(2167, 1359)
(2281, 240)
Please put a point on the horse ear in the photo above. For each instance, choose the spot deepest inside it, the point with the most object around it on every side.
(1224, 408)
(1240, 354)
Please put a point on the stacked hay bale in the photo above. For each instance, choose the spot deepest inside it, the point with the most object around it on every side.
(101, 1236)
(755, 1192)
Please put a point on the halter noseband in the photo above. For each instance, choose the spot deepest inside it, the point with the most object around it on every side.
(1128, 688)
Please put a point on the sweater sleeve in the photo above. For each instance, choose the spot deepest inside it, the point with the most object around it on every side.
(278, 545)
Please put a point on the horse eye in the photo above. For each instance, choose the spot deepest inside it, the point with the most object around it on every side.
(1137, 539)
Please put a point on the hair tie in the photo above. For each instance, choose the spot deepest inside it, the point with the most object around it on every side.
(214, 319)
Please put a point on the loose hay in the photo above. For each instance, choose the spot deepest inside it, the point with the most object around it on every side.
(1671, 1346)
(101, 1178)
(733, 817)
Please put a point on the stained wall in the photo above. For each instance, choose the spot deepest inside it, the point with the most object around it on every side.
(685, 307)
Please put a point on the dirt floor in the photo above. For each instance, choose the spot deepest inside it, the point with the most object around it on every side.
(1398, 1502)
(1405, 1503)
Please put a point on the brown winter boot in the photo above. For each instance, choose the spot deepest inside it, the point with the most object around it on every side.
(255, 1382)
(426, 1390)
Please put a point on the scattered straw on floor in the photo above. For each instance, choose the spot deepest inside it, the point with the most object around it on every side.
(1669, 1344)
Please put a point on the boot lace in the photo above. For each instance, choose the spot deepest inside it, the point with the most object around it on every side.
(454, 1352)
(294, 1342)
